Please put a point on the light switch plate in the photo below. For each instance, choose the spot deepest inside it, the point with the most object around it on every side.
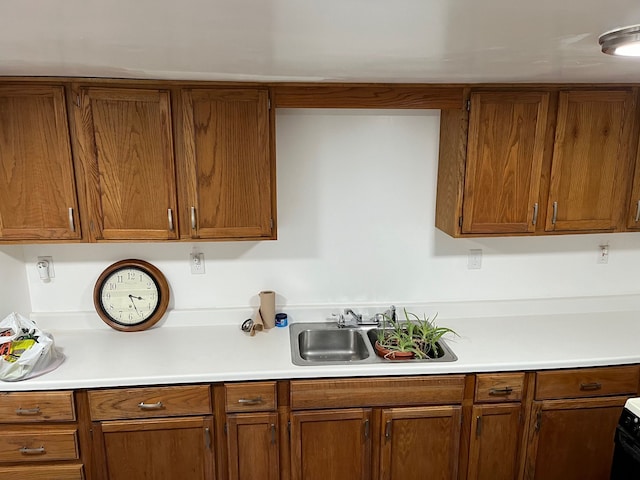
(475, 259)
(197, 263)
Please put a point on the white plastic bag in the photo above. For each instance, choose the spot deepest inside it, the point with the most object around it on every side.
(25, 350)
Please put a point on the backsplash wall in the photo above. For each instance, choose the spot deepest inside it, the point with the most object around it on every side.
(356, 206)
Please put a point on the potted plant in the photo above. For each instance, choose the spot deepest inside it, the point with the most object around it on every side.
(413, 337)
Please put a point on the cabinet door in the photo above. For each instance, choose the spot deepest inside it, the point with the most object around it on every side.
(37, 185)
(420, 442)
(589, 171)
(504, 162)
(163, 449)
(495, 437)
(633, 212)
(126, 143)
(331, 444)
(253, 446)
(228, 177)
(572, 439)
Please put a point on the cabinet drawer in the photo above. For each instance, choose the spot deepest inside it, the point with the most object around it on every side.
(40, 472)
(587, 382)
(37, 407)
(149, 402)
(250, 397)
(363, 392)
(38, 445)
(501, 387)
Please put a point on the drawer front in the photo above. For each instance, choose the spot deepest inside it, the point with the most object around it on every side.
(500, 387)
(372, 392)
(587, 382)
(40, 472)
(149, 402)
(38, 445)
(37, 407)
(250, 397)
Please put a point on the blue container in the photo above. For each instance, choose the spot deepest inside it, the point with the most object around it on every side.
(281, 320)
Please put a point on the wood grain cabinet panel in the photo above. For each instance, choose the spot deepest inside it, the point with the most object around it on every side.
(38, 444)
(591, 160)
(156, 449)
(587, 382)
(572, 439)
(250, 397)
(504, 161)
(228, 179)
(331, 444)
(144, 402)
(125, 139)
(252, 446)
(26, 407)
(500, 387)
(495, 441)
(420, 442)
(42, 472)
(37, 177)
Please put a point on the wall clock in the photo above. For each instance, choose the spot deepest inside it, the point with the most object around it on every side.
(131, 295)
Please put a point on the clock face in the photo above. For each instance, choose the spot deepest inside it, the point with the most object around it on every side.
(129, 296)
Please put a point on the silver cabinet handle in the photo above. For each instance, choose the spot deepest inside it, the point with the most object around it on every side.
(478, 426)
(150, 406)
(638, 211)
(33, 451)
(193, 218)
(170, 217)
(366, 429)
(207, 438)
(590, 386)
(273, 434)
(250, 401)
(500, 391)
(554, 217)
(387, 430)
(28, 411)
(535, 213)
(72, 223)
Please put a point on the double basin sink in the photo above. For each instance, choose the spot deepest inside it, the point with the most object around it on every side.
(326, 344)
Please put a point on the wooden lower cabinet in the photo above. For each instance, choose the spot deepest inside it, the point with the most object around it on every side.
(572, 439)
(252, 446)
(495, 440)
(420, 442)
(328, 444)
(156, 449)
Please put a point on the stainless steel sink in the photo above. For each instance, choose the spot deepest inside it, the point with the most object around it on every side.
(338, 345)
(326, 344)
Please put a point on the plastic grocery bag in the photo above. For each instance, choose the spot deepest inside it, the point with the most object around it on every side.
(25, 350)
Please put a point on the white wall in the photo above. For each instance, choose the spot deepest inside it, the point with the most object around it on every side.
(356, 202)
(14, 295)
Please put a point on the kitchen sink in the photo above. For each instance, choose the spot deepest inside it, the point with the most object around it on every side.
(325, 344)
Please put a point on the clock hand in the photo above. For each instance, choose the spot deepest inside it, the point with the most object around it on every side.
(131, 297)
(137, 298)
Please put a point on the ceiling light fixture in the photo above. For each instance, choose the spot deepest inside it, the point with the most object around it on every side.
(622, 41)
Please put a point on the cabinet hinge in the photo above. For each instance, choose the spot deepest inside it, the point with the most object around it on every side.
(289, 428)
(538, 421)
(468, 105)
(460, 221)
(225, 428)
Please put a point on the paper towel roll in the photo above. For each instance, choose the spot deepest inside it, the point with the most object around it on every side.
(268, 308)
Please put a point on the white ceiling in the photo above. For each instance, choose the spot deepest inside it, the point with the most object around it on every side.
(317, 40)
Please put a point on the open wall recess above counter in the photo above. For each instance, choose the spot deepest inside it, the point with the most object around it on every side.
(514, 159)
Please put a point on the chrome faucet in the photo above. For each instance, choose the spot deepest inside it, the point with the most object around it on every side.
(352, 319)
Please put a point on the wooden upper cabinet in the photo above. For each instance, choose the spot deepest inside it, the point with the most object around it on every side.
(228, 177)
(633, 212)
(504, 161)
(589, 171)
(37, 186)
(125, 139)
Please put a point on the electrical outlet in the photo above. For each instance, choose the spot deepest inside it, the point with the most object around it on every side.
(197, 263)
(44, 265)
(603, 255)
(475, 259)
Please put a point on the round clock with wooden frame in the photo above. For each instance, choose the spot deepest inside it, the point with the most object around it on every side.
(131, 295)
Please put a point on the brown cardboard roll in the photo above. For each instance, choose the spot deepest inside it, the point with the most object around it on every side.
(257, 325)
(268, 308)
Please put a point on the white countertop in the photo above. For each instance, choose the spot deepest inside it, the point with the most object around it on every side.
(214, 353)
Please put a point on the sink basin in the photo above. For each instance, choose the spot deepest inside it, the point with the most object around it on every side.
(326, 344)
(332, 345)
